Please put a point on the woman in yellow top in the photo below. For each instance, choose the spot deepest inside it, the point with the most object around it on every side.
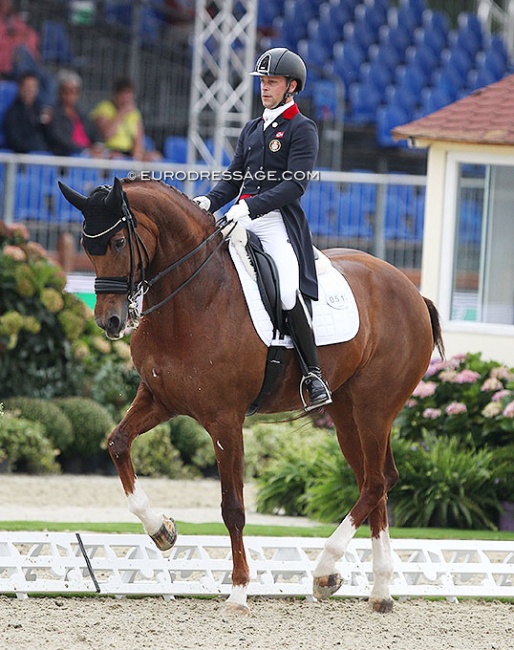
(121, 124)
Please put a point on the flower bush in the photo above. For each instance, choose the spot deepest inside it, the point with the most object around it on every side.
(49, 343)
(463, 395)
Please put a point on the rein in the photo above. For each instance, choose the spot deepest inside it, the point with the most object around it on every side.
(134, 290)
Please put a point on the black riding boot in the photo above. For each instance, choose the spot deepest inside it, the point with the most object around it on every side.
(300, 329)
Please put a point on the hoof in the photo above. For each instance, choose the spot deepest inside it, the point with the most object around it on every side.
(382, 605)
(166, 536)
(325, 586)
(233, 610)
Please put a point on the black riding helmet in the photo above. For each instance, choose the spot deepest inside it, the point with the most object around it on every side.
(281, 62)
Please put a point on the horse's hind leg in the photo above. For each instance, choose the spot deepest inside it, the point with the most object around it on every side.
(143, 414)
(367, 451)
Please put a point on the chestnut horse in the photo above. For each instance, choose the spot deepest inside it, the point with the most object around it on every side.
(198, 354)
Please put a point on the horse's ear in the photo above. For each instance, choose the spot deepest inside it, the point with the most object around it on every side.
(114, 199)
(76, 199)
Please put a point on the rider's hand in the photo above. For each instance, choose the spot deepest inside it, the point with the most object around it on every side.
(237, 211)
(202, 202)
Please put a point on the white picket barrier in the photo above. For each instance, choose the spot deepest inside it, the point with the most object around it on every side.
(120, 565)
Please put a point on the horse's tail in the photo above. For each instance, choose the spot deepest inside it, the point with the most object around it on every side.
(436, 326)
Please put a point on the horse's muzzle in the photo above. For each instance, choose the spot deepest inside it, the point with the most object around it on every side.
(113, 324)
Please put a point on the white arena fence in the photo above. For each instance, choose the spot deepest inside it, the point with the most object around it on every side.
(130, 564)
(379, 213)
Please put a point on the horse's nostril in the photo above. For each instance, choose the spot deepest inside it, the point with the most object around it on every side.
(113, 324)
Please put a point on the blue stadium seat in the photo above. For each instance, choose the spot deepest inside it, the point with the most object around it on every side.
(387, 118)
(385, 53)
(432, 100)
(290, 31)
(325, 35)
(84, 180)
(471, 23)
(347, 59)
(364, 100)
(423, 58)
(457, 60)
(436, 20)
(55, 43)
(314, 53)
(8, 92)
(403, 16)
(491, 61)
(175, 148)
(35, 193)
(377, 74)
(480, 78)
(411, 77)
(465, 40)
(496, 44)
(404, 97)
(267, 11)
(325, 99)
(397, 36)
(431, 38)
(359, 33)
(448, 80)
(373, 15)
(417, 7)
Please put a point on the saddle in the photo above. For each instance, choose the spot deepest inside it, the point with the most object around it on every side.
(268, 284)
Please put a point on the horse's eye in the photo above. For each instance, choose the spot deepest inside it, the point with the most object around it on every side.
(118, 244)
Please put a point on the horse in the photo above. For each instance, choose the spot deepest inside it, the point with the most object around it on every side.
(198, 354)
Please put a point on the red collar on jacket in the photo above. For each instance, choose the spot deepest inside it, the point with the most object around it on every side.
(290, 112)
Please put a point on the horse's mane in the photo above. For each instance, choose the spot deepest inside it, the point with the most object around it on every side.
(183, 199)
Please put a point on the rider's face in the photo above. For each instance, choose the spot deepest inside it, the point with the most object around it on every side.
(273, 90)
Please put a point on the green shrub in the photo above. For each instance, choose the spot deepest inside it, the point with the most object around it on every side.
(333, 491)
(444, 484)
(24, 444)
(50, 345)
(154, 455)
(56, 424)
(193, 443)
(91, 423)
(114, 385)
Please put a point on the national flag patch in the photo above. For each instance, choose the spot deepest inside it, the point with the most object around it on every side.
(279, 134)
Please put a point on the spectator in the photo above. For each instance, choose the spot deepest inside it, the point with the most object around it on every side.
(72, 132)
(26, 121)
(14, 32)
(121, 124)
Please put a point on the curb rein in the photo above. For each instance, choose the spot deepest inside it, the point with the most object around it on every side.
(134, 290)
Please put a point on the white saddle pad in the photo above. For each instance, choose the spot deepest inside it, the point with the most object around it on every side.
(335, 314)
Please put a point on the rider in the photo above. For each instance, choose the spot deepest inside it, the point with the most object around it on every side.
(274, 155)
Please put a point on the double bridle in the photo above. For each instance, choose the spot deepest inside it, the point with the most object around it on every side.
(136, 289)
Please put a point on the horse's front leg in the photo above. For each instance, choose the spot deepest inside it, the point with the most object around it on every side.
(143, 414)
(229, 456)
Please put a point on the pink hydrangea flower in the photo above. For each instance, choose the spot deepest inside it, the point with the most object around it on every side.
(432, 414)
(492, 384)
(502, 372)
(411, 403)
(466, 376)
(456, 360)
(424, 389)
(15, 253)
(448, 375)
(492, 409)
(499, 395)
(435, 367)
(508, 411)
(455, 408)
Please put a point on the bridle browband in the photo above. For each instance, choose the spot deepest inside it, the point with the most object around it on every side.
(134, 290)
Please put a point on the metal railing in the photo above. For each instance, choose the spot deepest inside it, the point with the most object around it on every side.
(379, 213)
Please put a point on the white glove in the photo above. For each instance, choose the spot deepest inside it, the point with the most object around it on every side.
(202, 202)
(237, 211)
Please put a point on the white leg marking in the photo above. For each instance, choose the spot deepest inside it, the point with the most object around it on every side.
(335, 546)
(238, 595)
(139, 505)
(382, 566)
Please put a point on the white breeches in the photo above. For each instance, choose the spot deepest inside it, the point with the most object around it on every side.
(270, 229)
